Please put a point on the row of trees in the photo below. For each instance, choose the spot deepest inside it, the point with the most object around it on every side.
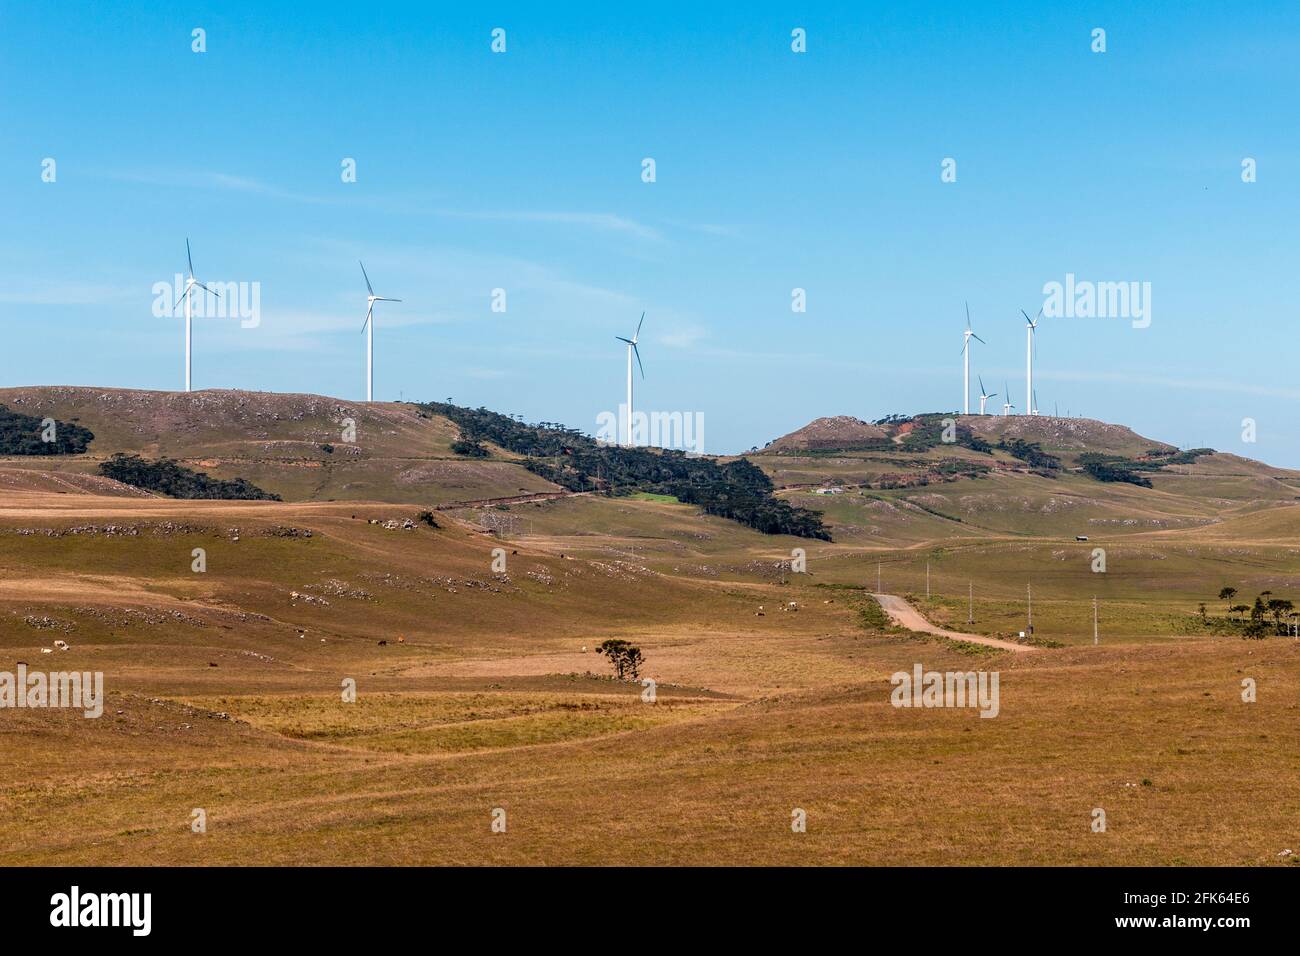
(1118, 468)
(1031, 453)
(1112, 468)
(738, 490)
(1268, 615)
(165, 476)
(28, 435)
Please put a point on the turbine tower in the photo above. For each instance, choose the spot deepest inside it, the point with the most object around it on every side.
(632, 350)
(1032, 324)
(985, 396)
(187, 295)
(369, 329)
(965, 351)
(1006, 406)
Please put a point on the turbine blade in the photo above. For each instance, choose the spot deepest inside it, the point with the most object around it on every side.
(369, 288)
(206, 289)
(178, 299)
(380, 298)
(974, 336)
(636, 351)
(994, 395)
(638, 326)
(621, 339)
(369, 312)
(189, 258)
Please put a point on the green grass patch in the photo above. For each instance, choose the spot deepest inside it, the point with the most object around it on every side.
(651, 496)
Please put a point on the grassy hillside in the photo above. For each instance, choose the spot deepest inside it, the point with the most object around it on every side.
(478, 686)
(300, 447)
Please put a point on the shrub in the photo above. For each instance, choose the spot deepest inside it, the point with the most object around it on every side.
(469, 448)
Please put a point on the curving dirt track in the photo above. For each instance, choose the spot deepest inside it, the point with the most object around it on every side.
(909, 617)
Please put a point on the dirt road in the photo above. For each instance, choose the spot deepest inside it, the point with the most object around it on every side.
(909, 617)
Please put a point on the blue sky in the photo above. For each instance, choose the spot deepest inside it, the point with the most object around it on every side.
(775, 170)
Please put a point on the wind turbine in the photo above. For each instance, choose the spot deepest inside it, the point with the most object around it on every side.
(985, 396)
(965, 351)
(190, 283)
(369, 329)
(631, 350)
(1007, 406)
(1032, 324)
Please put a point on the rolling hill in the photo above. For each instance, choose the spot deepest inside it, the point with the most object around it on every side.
(297, 446)
(470, 634)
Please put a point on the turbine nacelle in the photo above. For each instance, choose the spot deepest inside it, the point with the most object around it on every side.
(369, 324)
(631, 343)
(191, 282)
(371, 298)
(969, 333)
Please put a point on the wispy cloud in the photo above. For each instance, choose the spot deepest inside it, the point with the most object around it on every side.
(1190, 384)
(61, 292)
(596, 221)
(222, 181)
(601, 221)
(682, 338)
(709, 228)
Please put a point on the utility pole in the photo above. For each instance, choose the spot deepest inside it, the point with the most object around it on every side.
(970, 613)
(1029, 590)
(1094, 621)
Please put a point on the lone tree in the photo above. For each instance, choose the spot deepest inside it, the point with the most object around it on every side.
(1227, 594)
(625, 657)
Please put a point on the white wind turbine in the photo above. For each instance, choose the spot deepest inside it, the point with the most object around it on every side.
(985, 396)
(187, 295)
(1007, 406)
(1032, 325)
(632, 350)
(369, 329)
(965, 351)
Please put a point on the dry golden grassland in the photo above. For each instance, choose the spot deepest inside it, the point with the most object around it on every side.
(224, 693)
